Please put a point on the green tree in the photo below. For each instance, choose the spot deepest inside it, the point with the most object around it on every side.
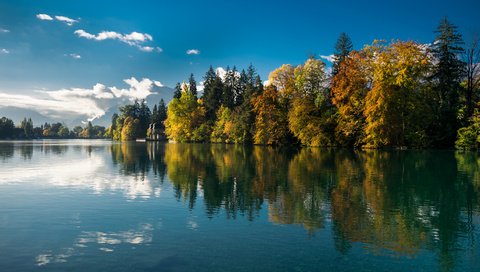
(468, 137)
(230, 86)
(192, 85)
(212, 94)
(178, 91)
(447, 76)
(162, 113)
(27, 127)
(343, 47)
(185, 118)
(7, 128)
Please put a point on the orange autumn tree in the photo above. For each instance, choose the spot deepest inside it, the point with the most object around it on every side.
(349, 88)
(271, 118)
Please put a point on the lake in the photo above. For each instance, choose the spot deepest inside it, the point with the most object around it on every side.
(80, 205)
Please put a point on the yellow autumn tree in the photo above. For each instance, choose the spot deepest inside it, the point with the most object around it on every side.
(185, 121)
(396, 109)
(311, 116)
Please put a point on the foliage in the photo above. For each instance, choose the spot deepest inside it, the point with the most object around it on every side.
(395, 109)
(350, 86)
(468, 138)
(311, 117)
(185, 116)
(446, 78)
(271, 118)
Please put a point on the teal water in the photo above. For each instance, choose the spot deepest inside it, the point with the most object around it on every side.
(102, 206)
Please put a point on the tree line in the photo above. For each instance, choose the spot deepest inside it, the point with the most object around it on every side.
(26, 130)
(399, 94)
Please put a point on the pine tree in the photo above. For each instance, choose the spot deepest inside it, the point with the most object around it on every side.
(178, 91)
(229, 88)
(154, 118)
(448, 73)
(193, 85)
(212, 94)
(343, 47)
(161, 113)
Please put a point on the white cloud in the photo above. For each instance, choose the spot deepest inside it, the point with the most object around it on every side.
(136, 39)
(150, 49)
(4, 30)
(266, 83)
(72, 103)
(193, 52)
(158, 83)
(4, 51)
(328, 58)
(42, 16)
(75, 56)
(65, 19)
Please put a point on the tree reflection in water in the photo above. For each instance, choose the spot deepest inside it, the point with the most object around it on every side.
(392, 202)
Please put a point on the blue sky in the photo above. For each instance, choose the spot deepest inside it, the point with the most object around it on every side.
(50, 55)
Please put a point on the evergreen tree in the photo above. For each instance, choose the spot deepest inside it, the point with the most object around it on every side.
(258, 85)
(212, 95)
(154, 118)
(193, 85)
(162, 113)
(448, 73)
(229, 88)
(178, 91)
(342, 48)
(144, 119)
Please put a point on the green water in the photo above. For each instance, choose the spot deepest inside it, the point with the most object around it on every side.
(102, 206)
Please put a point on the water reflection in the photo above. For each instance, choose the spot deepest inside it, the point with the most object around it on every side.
(392, 203)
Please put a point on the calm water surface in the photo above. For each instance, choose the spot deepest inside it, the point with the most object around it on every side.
(102, 206)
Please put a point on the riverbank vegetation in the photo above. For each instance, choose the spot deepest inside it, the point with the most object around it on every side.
(400, 94)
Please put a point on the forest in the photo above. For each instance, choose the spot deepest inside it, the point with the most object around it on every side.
(398, 94)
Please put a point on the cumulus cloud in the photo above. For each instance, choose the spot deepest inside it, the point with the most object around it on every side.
(68, 21)
(329, 58)
(80, 102)
(4, 30)
(193, 52)
(43, 16)
(4, 51)
(136, 39)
